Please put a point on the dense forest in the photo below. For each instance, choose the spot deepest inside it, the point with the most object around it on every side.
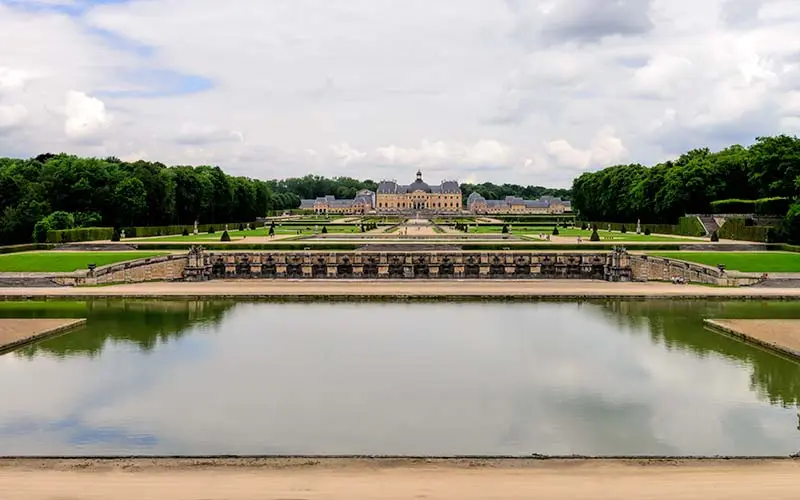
(67, 191)
(770, 168)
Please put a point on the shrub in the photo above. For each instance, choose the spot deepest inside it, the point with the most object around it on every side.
(241, 227)
(185, 232)
(225, 236)
(555, 231)
(324, 229)
(594, 236)
(115, 235)
(505, 229)
(60, 220)
(647, 231)
(623, 229)
(714, 236)
(584, 226)
(211, 230)
(87, 219)
(40, 231)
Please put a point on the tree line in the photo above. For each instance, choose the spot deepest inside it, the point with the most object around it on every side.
(64, 190)
(662, 193)
(498, 192)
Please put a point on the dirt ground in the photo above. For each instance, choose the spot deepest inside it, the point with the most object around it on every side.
(342, 479)
(395, 288)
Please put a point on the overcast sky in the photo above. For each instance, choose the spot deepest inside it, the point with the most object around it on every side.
(525, 91)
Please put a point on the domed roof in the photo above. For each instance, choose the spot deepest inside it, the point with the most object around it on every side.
(419, 185)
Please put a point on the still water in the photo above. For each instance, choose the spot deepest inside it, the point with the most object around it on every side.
(210, 377)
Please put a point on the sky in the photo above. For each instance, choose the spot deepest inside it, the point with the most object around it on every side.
(522, 91)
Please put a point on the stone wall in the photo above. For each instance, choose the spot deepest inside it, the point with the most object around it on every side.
(649, 268)
(408, 265)
(164, 268)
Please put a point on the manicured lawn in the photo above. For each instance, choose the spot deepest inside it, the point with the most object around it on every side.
(260, 233)
(746, 262)
(613, 236)
(32, 262)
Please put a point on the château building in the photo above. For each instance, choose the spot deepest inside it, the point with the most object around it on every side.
(363, 203)
(477, 204)
(418, 196)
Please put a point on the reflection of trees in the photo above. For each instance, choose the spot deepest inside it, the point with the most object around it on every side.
(143, 323)
(679, 325)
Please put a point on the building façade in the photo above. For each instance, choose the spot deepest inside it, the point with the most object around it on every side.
(392, 197)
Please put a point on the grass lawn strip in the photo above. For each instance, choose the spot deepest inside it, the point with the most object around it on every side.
(746, 262)
(36, 262)
(258, 233)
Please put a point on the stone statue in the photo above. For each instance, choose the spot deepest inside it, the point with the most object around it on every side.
(609, 228)
(226, 227)
(639, 226)
(122, 234)
(196, 231)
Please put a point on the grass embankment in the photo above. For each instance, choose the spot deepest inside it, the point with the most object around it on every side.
(34, 262)
(746, 262)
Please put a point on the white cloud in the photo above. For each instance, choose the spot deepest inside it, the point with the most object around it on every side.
(12, 116)
(86, 116)
(605, 149)
(505, 90)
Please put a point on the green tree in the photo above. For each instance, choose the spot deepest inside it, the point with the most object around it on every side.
(130, 198)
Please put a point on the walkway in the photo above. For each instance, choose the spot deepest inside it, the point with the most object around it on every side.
(353, 479)
(355, 289)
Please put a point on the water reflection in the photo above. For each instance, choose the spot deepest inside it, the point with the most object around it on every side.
(205, 377)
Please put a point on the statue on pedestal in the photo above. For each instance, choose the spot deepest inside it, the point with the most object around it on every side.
(196, 231)
(122, 234)
(639, 226)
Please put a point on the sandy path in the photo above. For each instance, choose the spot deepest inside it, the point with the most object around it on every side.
(431, 481)
(781, 333)
(399, 288)
(16, 331)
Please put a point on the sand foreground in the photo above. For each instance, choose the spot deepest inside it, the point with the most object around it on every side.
(342, 479)
(400, 288)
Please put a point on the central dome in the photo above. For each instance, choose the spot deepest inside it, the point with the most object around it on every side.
(419, 185)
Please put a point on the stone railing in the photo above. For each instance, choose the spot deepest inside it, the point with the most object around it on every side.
(611, 266)
(649, 268)
(163, 268)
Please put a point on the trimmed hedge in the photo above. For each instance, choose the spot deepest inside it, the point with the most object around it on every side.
(28, 247)
(80, 234)
(737, 229)
(773, 206)
(148, 231)
(687, 226)
(763, 206)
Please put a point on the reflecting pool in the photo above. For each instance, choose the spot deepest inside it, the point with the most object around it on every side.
(410, 378)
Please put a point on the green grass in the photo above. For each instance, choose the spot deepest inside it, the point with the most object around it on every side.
(32, 262)
(611, 237)
(746, 262)
(258, 233)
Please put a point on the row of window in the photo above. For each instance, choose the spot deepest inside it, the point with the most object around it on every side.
(411, 205)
